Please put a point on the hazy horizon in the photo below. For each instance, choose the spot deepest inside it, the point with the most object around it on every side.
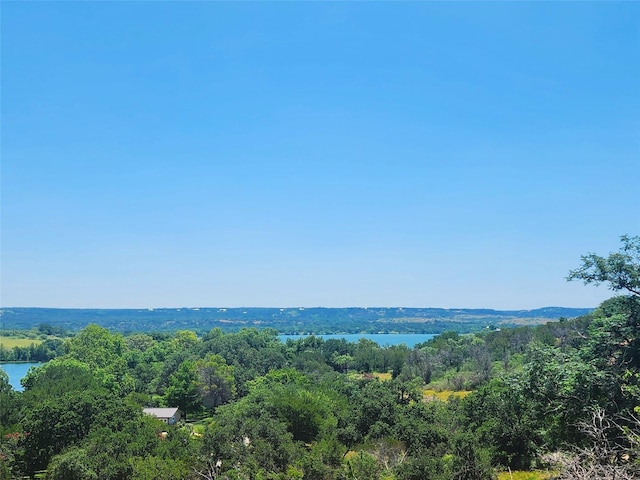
(294, 307)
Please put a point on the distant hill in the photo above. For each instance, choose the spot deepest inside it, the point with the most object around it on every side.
(286, 320)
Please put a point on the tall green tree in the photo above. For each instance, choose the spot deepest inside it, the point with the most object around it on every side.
(183, 390)
(74, 464)
(503, 420)
(8, 403)
(104, 352)
(620, 270)
(374, 409)
(613, 345)
(251, 352)
(56, 423)
(215, 383)
(245, 436)
(57, 377)
(97, 347)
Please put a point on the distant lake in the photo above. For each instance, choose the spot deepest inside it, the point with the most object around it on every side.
(16, 372)
(382, 339)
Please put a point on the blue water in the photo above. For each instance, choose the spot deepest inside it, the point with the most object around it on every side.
(17, 372)
(382, 339)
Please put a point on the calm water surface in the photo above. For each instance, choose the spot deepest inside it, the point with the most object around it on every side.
(16, 372)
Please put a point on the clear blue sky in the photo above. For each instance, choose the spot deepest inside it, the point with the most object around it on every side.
(435, 154)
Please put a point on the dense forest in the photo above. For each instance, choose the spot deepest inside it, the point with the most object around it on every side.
(560, 400)
(286, 320)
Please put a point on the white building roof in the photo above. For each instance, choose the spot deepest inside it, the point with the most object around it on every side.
(161, 412)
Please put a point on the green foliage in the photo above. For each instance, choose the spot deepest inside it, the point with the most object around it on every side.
(74, 464)
(158, 468)
(425, 466)
(362, 466)
(55, 423)
(97, 347)
(183, 389)
(562, 388)
(244, 434)
(470, 461)
(114, 441)
(56, 377)
(503, 419)
(105, 430)
(614, 348)
(368, 356)
(104, 353)
(423, 427)
(620, 270)
(251, 352)
(299, 409)
(5, 473)
(216, 382)
(292, 398)
(48, 329)
(373, 409)
(267, 430)
(9, 403)
(453, 361)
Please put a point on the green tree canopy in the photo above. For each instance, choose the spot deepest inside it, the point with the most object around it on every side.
(58, 376)
(183, 388)
(216, 382)
(97, 347)
(621, 270)
(9, 405)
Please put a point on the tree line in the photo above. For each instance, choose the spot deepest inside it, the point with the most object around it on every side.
(563, 396)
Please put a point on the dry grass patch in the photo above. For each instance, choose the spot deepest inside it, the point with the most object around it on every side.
(429, 394)
(523, 475)
(370, 376)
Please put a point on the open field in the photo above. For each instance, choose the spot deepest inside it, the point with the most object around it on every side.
(443, 395)
(10, 342)
(199, 424)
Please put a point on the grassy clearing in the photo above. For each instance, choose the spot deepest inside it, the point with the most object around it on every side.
(429, 394)
(520, 475)
(10, 342)
(362, 376)
(199, 424)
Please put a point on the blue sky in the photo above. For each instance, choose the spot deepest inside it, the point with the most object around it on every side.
(315, 154)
